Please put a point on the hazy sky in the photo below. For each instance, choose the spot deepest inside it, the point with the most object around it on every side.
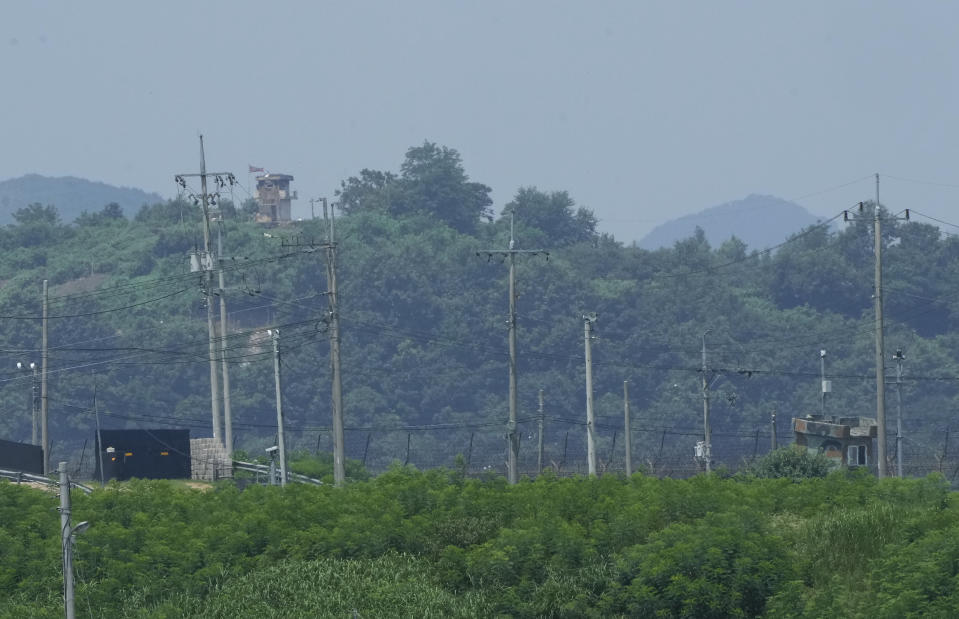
(643, 111)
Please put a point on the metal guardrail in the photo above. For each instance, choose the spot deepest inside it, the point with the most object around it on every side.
(264, 469)
(20, 476)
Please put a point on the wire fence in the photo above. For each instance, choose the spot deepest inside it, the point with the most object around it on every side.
(480, 450)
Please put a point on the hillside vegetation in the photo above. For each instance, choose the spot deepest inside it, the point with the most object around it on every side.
(72, 195)
(423, 316)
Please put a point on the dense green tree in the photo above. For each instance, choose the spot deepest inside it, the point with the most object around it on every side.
(551, 218)
(432, 181)
(38, 225)
(109, 213)
(37, 214)
(791, 462)
(368, 191)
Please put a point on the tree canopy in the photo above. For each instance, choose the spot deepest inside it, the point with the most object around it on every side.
(432, 181)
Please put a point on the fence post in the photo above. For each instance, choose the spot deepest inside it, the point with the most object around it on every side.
(469, 454)
(367, 448)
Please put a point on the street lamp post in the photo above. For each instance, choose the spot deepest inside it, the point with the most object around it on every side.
(68, 534)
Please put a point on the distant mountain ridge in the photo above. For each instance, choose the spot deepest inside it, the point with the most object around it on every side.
(69, 194)
(757, 220)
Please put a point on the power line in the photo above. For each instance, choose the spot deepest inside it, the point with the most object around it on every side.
(92, 363)
(945, 223)
(920, 182)
(96, 313)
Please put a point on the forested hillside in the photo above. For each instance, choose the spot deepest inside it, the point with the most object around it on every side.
(423, 316)
(72, 195)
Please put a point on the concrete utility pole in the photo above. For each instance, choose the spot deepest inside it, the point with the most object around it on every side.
(822, 382)
(333, 319)
(588, 320)
(44, 400)
(629, 435)
(207, 263)
(280, 442)
(880, 334)
(899, 359)
(880, 353)
(96, 414)
(35, 403)
(512, 437)
(65, 545)
(542, 424)
(707, 447)
(224, 364)
(339, 447)
(211, 325)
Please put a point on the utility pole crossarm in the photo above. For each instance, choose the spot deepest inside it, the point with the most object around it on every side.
(310, 244)
(200, 174)
(512, 252)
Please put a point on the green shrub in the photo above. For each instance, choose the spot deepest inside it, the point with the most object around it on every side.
(792, 462)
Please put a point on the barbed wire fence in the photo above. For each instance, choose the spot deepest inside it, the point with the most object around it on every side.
(480, 450)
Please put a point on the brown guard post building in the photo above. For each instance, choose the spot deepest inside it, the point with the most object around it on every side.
(846, 440)
(274, 198)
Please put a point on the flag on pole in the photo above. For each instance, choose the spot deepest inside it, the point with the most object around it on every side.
(254, 169)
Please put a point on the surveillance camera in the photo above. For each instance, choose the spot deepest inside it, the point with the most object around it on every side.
(270, 450)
